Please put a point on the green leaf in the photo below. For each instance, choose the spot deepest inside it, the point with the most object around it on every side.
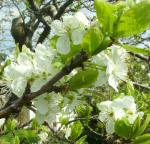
(35, 124)
(81, 140)
(144, 139)
(6, 139)
(92, 40)
(123, 128)
(76, 130)
(144, 125)
(10, 125)
(84, 110)
(130, 88)
(105, 13)
(83, 79)
(64, 120)
(134, 21)
(136, 127)
(28, 136)
(144, 51)
(74, 50)
(105, 43)
(16, 140)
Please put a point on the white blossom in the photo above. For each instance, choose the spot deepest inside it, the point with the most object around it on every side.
(111, 66)
(109, 114)
(120, 108)
(72, 29)
(116, 67)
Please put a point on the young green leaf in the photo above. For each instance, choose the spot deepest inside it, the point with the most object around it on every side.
(130, 88)
(10, 125)
(81, 140)
(144, 51)
(123, 128)
(76, 130)
(144, 139)
(136, 127)
(144, 125)
(83, 79)
(105, 13)
(92, 40)
(134, 21)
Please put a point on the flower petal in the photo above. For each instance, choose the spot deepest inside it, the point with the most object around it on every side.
(113, 81)
(103, 116)
(63, 44)
(37, 84)
(105, 106)
(18, 86)
(82, 18)
(41, 105)
(77, 36)
(57, 28)
(110, 126)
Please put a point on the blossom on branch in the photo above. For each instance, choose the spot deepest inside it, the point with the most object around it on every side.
(71, 30)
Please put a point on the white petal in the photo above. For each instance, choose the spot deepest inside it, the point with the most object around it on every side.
(57, 28)
(2, 120)
(51, 117)
(63, 44)
(103, 116)
(68, 21)
(82, 18)
(112, 80)
(102, 79)
(18, 86)
(105, 106)
(119, 114)
(132, 118)
(41, 105)
(77, 36)
(40, 117)
(110, 126)
(141, 114)
(68, 132)
(10, 72)
(37, 84)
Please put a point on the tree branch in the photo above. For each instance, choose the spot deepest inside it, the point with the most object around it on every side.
(16, 106)
(60, 12)
(139, 56)
(62, 9)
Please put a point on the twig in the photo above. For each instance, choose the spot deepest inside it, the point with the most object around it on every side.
(141, 86)
(16, 5)
(63, 8)
(48, 87)
(56, 135)
(139, 56)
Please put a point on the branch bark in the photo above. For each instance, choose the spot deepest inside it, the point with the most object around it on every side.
(16, 106)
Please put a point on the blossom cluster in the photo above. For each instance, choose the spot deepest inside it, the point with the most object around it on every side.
(35, 68)
(120, 108)
(71, 30)
(51, 107)
(112, 66)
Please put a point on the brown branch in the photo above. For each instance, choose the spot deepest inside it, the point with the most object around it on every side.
(139, 56)
(16, 106)
(137, 85)
(63, 8)
(60, 12)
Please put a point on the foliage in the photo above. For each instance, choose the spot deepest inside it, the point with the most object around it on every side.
(81, 85)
